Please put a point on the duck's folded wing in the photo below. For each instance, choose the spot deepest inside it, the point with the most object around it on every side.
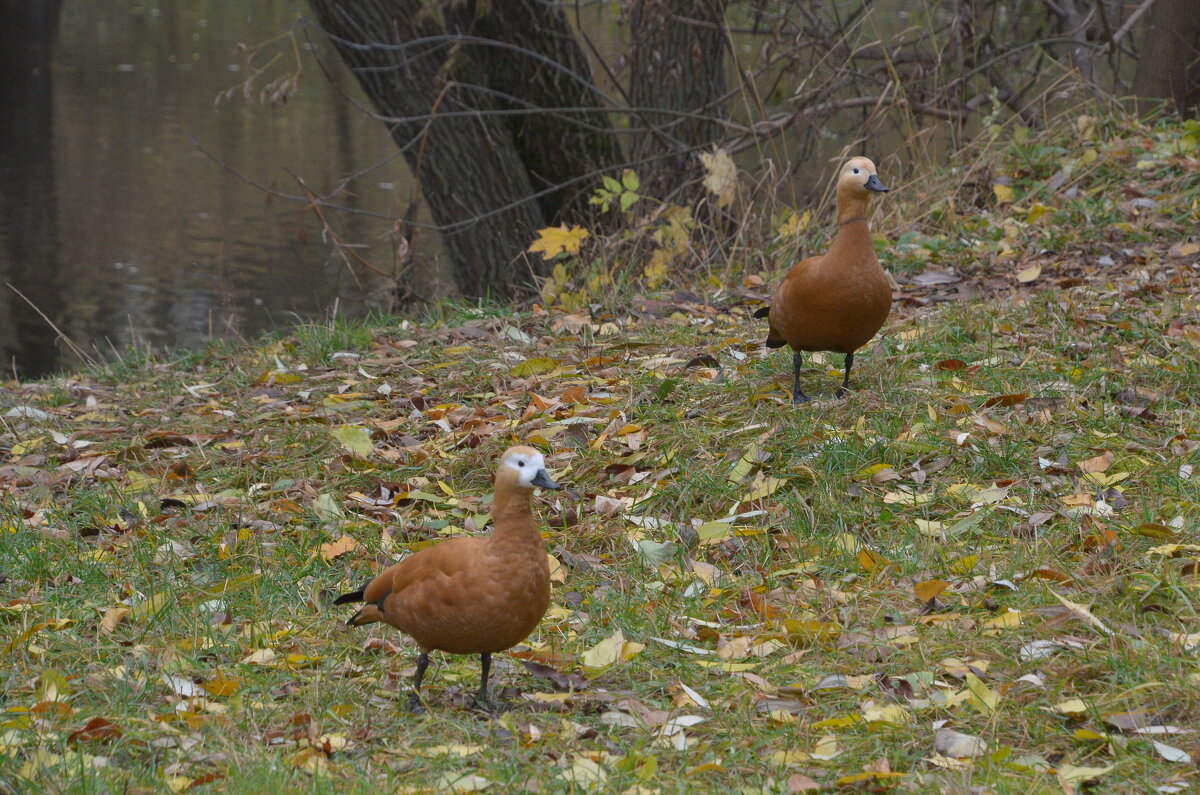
(443, 560)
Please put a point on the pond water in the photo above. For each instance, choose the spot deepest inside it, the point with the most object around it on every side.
(126, 217)
(120, 231)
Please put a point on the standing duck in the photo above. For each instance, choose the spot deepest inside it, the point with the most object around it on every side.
(837, 301)
(470, 595)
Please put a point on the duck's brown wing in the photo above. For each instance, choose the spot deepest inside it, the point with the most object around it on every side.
(782, 307)
(445, 559)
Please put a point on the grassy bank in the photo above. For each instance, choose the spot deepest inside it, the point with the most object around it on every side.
(980, 569)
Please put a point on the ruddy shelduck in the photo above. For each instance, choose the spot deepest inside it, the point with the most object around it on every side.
(471, 595)
(837, 301)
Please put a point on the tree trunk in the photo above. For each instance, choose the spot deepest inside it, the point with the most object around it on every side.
(1169, 64)
(468, 167)
(556, 148)
(677, 63)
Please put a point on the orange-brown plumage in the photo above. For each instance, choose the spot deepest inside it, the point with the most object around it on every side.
(471, 595)
(838, 300)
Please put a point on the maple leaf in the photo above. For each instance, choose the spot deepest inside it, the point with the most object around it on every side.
(554, 240)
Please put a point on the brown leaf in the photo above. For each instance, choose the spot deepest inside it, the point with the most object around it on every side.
(1129, 721)
(334, 549)
(951, 364)
(1098, 464)
(96, 730)
(1153, 530)
(562, 682)
(1006, 400)
(801, 783)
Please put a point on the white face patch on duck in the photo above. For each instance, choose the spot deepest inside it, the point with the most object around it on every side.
(530, 468)
(860, 172)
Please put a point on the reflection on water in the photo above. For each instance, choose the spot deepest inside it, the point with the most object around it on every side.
(118, 229)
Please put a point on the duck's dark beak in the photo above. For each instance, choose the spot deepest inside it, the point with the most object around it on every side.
(543, 480)
(873, 184)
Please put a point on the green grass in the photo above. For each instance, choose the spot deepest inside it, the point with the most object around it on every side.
(202, 510)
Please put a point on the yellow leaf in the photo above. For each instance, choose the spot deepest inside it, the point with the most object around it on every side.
(846, 543)
(826, 748)
(150, 607)
(297, 661)
(1082, 613)
(553, 240)
(1036, 212)
(611, 650)
(793, 756)
(721, 179)
(260, 657)
(870, 775)
(795, 224)
(1026, 275)
(1072, 706)
(558, 572)
(1004, 193)
(112, 617)
(887, 713)
(1070, 775)
(981, 697)
(871, 561)
(930, 589)
(1009, 619)
(532, 367)
(355, 438)
(965, 564)
(762, 486)
(222, 685)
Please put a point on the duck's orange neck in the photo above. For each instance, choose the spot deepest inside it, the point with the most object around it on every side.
(850, 208)
(512, 516)
(509, 502)
(853, 238)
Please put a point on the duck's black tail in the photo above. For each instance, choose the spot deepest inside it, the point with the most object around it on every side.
(347, 598)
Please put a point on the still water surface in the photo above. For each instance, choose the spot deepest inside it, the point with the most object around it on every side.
(120, 230)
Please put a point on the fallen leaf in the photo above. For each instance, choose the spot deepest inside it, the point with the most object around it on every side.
(222, 685)
(1171, 753)
(530, 367)
(1098, 464)
(1081, 612)
(930, 589)
(96, 730)
(957, 745)
(182, 686)
(801, 783)
(113, 617)
(355, 439)
(1070, 775)
(609, 651)
(335, 549)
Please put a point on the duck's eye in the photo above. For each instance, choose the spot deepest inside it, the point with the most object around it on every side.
(856, 171)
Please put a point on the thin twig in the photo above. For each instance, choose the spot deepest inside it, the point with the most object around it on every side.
(74, 348)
